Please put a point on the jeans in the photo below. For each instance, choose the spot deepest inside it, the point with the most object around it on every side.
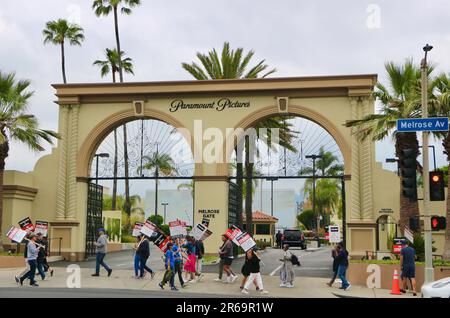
(143, 266)
(99, 261)
(178, 270)
(31, 273)
(341, 274)
(40, 268)
(168, 277)
(136, 265)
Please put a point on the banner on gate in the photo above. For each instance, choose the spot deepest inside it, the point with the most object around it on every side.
(137, 229)
(41, 227)
(26, 225)
(16, 235)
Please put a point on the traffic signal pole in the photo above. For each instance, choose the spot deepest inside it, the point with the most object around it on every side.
(429, 270)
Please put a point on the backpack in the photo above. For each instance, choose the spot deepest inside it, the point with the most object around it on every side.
(294, 260)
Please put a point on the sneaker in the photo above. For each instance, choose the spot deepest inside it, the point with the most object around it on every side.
(152, 275)
(109, 272)
(290, 286)
(348, 287)
(263, 292)
(282, 285)
(161, 286)
(34, 285)
(17, 279)
(244, 291)
(414, 294)
(200, 276)
(328, 284)
(95, 275)
(217, 279)
(51, 273)
(233, 278)
(174, 288)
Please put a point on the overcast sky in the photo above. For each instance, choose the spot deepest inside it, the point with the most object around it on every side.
(297, 37)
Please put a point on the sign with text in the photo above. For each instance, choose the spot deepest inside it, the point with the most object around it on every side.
(245, 241)
(206, 235)
(218, 105)
(26, 225)
(397, 245)
(137, 229)
(205, 222)
(148, 228)
(422, 124)
(16, 235)
(41, 227)
(232, 233)
(177, 229)
(335, 233)
(198, 231)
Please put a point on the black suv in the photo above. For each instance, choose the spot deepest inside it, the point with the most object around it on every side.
(294, 238)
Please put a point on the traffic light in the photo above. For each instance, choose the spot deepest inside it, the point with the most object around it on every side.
(438, 223)
(408, 173)
(437, 186)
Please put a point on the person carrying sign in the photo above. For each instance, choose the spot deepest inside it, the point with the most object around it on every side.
(41, 256)
(178, 261)
(226, 254)
(32, 254)
(100, 249)
(255, 276)
(189, 266)
(199, 252)
(143, 251)
(169, 264)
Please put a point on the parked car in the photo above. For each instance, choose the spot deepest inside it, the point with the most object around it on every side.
(294, 238)
(437, 289)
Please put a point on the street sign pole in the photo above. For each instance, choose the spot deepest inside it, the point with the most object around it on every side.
(429, 271)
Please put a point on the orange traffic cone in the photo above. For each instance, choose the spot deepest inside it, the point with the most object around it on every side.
(395, 284)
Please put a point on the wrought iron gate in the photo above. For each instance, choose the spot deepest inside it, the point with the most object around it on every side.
(232, 204)
(94, 215)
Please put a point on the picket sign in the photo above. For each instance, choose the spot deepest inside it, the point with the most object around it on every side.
(26, 225)
(148, 228)
(41, 227)
(16, 235)
(177, 229)
(198, 231)
(137, 229)
(246, 241)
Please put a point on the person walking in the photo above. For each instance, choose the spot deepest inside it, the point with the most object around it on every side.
(45, 264)
(226, 254)
(32, 254)
(334, 254)
(342, 263)
(199, 252)
(408, 267)
(287, 274)
(40, 256)
(136, 257)
(169, 264)
(255, 275)
(27, 266)
(178, 261)
(221, 264)
(278, 237)
(189, 266)
(101, 247)
(143, 252)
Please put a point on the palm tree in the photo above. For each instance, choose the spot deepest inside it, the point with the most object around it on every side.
(104, 7)
(233, 64)
(440, 106)
(57, 32)
(402, 100)
(160, 164)
(188, 186)
(111, 65)
(16, 125)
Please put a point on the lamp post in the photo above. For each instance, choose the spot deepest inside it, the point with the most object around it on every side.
(271, 179)
(99, 155)
(429, 271)
(314, 158)
(165, 206)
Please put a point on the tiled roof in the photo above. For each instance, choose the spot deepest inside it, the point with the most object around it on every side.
(259, 216)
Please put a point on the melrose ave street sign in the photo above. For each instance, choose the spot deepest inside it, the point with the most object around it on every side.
(422, 124)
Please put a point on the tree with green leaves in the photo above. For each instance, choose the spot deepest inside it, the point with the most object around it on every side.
(58, 32)
(160, 164)
(111, 65)
(235, 64)
(401, 99)
(17, 125)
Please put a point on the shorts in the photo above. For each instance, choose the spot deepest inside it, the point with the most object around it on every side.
(227, 261)
(408, 272)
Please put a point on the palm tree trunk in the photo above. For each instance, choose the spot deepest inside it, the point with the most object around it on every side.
(156, 191)
(248, 186)
(408, 209)
(127, 182)
(116, 27)
(4, 149)
(446, 254)
(114, 191)
(239, 184)
(63, 63)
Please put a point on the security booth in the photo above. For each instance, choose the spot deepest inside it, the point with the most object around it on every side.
(263, 227)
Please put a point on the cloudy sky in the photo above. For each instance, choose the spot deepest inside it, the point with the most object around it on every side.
(297, 37)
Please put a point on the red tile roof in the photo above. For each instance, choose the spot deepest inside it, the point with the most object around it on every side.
(259, 216)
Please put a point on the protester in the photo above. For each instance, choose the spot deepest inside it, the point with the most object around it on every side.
(342, 263)
(169, 265)
(178, 261)
(40, 256)
(143, 252)
(334, 254)
(278, 238)
(45, 264)
(226, 254)
(27, 266)
(246, 273)
(255, 275)
(408, 267)
(101, 247)
(32, 253)
(199, 252)
(136, 257)
(287, 274)
(189, 266)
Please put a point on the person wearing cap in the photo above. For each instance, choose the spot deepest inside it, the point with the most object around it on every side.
(100, 250)
(408, 266)
(169, 264)
(32, 254)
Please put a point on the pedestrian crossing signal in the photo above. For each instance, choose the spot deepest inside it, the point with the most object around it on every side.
(438, 223)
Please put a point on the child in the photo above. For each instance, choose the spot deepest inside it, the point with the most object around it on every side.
(169, 265)
(255, 275)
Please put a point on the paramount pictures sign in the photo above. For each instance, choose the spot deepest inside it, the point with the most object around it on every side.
(218, 105)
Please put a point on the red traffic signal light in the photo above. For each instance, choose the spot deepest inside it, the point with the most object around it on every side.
(438, 223)
(436, 178)
(437, 186)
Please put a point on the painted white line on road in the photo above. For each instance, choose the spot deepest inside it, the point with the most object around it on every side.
(276, 270)
(313, 268)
